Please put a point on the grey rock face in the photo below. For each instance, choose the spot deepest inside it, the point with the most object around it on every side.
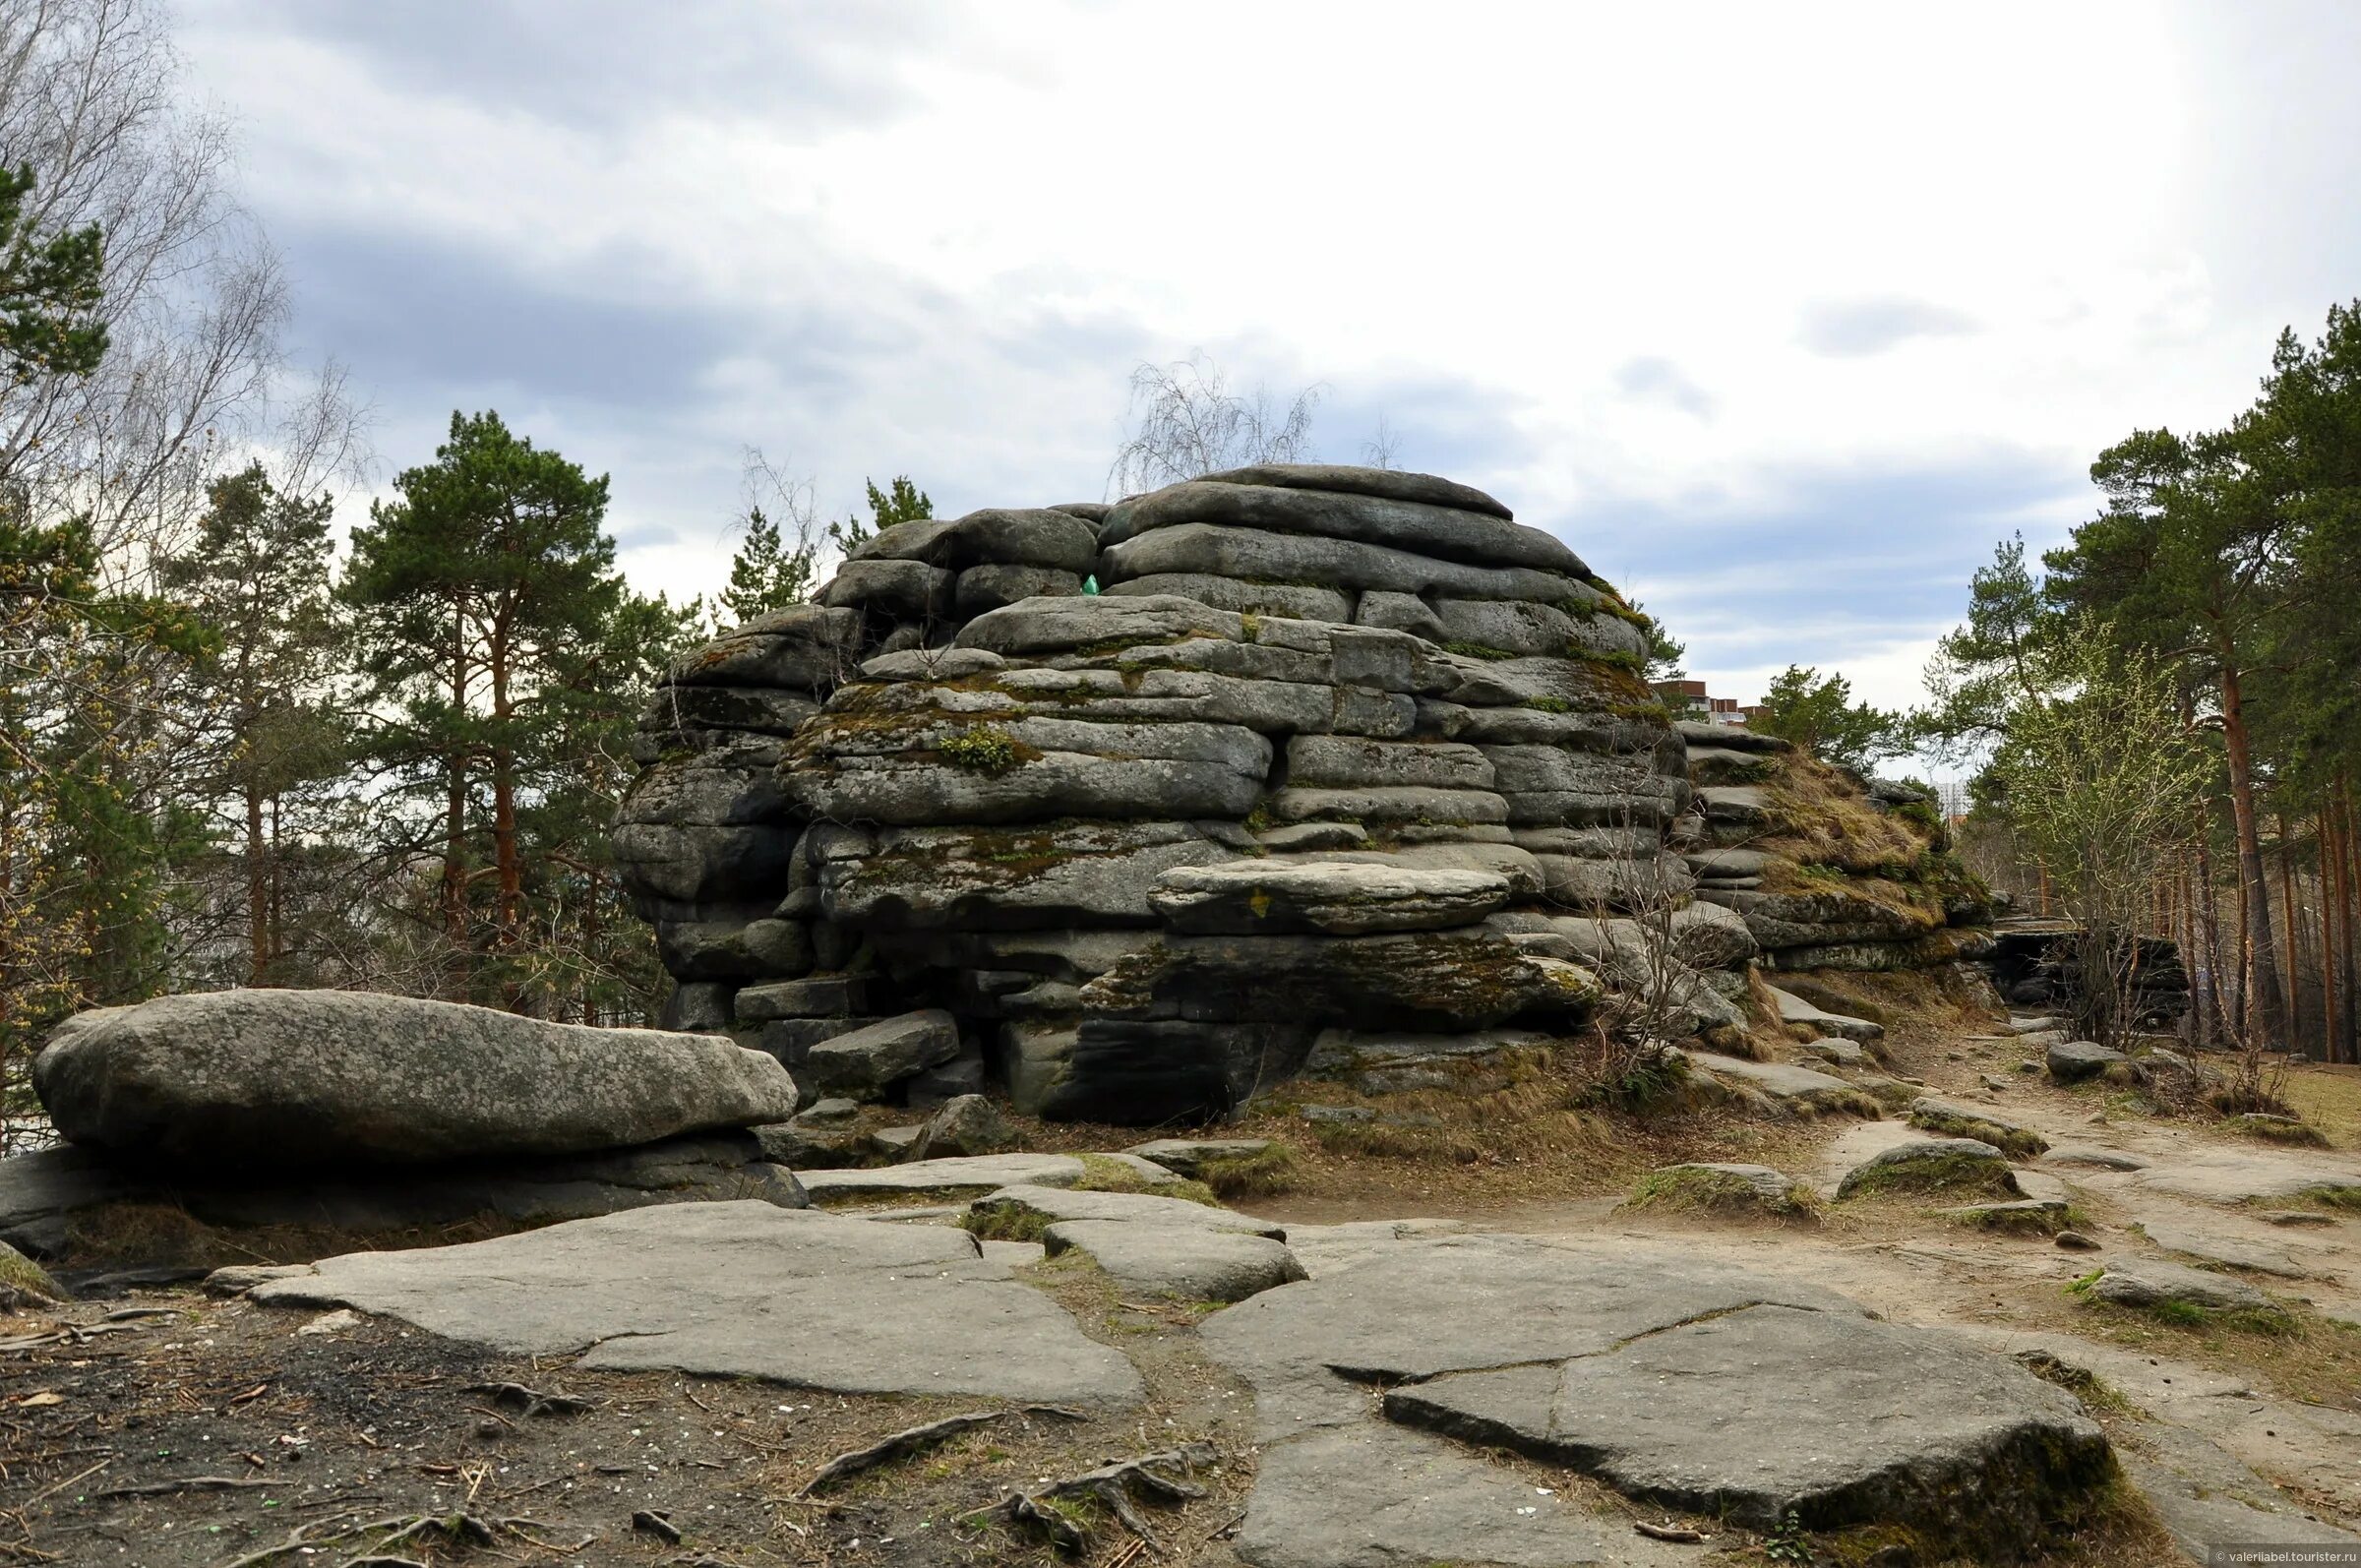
(2074, 1060)
(1190, 1263)
(46, 1197)
(1188, 1157)
(966, 1125)
(739, 1290)
(1058, 1205)
(2150, 1281)
(1931, 1165)
(866, 1063)
(1283, 661)
(286, 1079)
(1337, 898)
(1835, 1420)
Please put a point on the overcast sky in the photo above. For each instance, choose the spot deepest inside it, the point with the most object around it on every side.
(1780, 315)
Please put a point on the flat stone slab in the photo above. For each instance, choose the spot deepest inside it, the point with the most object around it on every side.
(978, 1172)
(1780, 1080)
(1838, 1050)
(2238, 1252)
(2096, 1159)
(1338, 898)
(1793, 1009)
(1190, 1263)
(1957, 1120)
(2075, 1061)
(1403, 1309)
(1373, 1495)
(1057, 1205)
(2153, 1282)
(1187, 1157)
(1771, 1410)
(2207, 1500)
(1728, 1390)
(2235, 1177)
(741, 1290)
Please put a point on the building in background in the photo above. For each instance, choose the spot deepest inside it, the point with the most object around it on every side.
(1690, 699)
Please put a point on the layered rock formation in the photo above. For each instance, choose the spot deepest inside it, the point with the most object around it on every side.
(1340, 769)
(1827, 870)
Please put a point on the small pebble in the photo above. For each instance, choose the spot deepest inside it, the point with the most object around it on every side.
(2076, 1241)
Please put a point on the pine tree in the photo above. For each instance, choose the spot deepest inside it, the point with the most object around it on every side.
(479, 588)
(766, 573)
(256, 574)
(900, 501)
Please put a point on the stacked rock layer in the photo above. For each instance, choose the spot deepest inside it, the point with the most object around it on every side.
(1341, 770)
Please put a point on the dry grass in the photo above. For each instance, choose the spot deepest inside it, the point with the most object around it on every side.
(2329, 1098)
(1819, 817)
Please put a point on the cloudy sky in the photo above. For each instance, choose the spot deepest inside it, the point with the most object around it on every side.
(1780, 315)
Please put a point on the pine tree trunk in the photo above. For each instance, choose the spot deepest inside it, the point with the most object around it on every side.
(2264, 1011)
(2332, 1000)
(2210, 930)
(2349, 954)
(503, 796)
(454, 808)
(2293, 951)
(258, 889)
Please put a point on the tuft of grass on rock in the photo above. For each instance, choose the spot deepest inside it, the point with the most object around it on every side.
(983, 748)
(1268, 1171)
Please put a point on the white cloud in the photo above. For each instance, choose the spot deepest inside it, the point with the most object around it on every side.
(934, 238)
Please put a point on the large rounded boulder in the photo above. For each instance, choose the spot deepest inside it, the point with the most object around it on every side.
(286, 1078)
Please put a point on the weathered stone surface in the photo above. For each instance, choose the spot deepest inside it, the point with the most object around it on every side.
(1048, 1205)
(1729, 737)
(989, 587)
(952, 1176)
(1417, 980)
(1050, 539)
(1423, 529)
(1055, 767)
(906, 590)
(2209, 1502)
(285, 1078)
(1190, 1263)
(809, 997)
(1783, 1081)
(733, 949)
(802, 647)
(968, 1124)
(2212, 1245)
(1188, 1157)
(2074, 1060)
(1954, 1119)
(1793, 1009)
(1710, 1185)
(866, 1063)
(1393, 484)
(1006, 879)
(1837, 1053)
(2151, 1282)
(1260, 553)
(1413, 1309)
(1058, 626)
(1371, 1495)
(1298, 601)
(1337, 898)
(1931, 1165)
(741, 1290)
(2235, 1177)
(46, 1197)
(1778, 1411)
